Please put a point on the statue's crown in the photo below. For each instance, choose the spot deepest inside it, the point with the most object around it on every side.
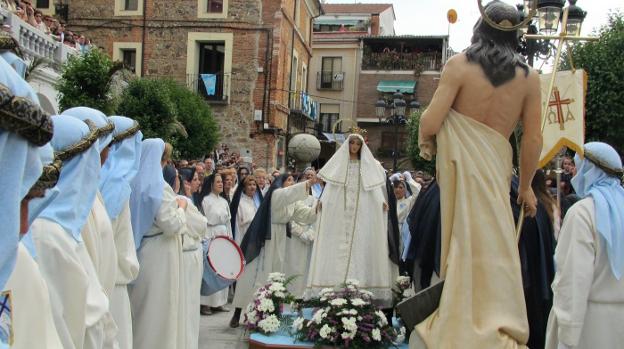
(360, 131)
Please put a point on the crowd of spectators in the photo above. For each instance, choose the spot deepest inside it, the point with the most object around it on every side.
(49, 25)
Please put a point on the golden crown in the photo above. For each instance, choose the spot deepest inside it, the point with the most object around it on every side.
(356, 130)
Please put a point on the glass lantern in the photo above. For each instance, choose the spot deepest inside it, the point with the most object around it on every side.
(549, 13)
(528, 5)
(380, 109)
(576, 15)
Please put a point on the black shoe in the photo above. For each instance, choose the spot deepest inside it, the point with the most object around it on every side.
(205, 310)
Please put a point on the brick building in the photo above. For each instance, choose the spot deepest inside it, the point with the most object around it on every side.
(244, 56)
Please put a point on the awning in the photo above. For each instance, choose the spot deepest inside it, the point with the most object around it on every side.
(391, 86)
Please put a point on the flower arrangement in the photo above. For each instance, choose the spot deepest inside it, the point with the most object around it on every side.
(346, 318)
(401, 289)
(264, 313)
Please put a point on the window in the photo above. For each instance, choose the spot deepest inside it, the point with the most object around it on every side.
(331, 75)
(129, 53)
(128, 8)
(45, 6)
(304, 78)
(209, 64)
(42, 4)
(129, 59)
(330, 114)
(131, 5)
(293, 83)
(212, 8)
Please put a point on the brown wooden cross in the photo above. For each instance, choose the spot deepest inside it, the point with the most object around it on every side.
(559, 103)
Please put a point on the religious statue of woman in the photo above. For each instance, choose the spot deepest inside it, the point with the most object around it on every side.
(352, 240)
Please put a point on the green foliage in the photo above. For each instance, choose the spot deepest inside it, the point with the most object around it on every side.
(195, 114)
(170, 111)
(85, 81)
(602, 60)
(412, 145)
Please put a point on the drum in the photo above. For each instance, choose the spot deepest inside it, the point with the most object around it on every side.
(223, 264)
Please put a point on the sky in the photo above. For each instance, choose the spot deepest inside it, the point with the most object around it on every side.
(428, 17)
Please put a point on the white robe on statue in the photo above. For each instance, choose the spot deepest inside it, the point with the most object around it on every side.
(299, 250)
(32, 320)
(196, 229)
(156, 295)
(79, 304)
(217, 212)
(127, 271)
(352, 238)
(588, 303)
(246, 212)
(272, 257)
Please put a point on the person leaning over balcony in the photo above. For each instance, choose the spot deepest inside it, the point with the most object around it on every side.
(41, 25)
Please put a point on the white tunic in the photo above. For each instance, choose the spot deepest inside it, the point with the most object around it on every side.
(196, 229)
(272, 256)
(217, 212)
(79, 304)
(156, 295)
(299, 248)
(352, 240)
(127, 271)
(246, 212)
(404, 206)
(588, 303)
(32, 320)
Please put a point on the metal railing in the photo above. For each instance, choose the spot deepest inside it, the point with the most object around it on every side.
(402, 61)
(217, 93)
(330, 80)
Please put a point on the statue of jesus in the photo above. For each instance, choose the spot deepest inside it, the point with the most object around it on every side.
(483, 94)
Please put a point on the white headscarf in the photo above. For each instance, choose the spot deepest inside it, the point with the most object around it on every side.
(147, 188)
(606, 189)
(99, 119)
(371, 172)
(121, 167)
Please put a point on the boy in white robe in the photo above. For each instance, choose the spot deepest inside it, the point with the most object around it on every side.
(588, 290)
(117, 173)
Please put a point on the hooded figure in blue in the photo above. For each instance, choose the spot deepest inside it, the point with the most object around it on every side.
(588, 289)
(117, 173)
(23, 127)
(81, 306)
(158, 222)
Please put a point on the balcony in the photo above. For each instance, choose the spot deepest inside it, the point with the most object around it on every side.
(392, 60)
(301, 103)
(214, 88)
(35, 43)
(329, 80)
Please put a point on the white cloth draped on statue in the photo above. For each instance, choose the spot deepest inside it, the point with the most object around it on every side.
(32, 320)
(588, 301)
(352, 238)
(157, 295)
(299, 250)
(246, 212)
(217, 212)
(272, 256)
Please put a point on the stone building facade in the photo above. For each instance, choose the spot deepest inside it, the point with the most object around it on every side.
(238, 54)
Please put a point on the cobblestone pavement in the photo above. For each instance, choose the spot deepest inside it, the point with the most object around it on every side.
(215, 333)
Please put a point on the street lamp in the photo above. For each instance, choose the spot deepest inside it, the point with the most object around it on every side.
(549, 12)
(576, 16)
(397, 117)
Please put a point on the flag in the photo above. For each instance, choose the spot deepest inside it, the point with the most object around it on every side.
(210, 83)
(563, 113)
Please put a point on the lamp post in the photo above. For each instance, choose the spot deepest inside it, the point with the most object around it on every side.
(397, 109)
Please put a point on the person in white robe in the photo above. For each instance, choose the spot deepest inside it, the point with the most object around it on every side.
(264, 244)
(117, 173)
(405, 202)
(158, 222)
(25, 302)
(352, 240)
(80, 306)
(588, 289)
(261, 181)
(217, 212)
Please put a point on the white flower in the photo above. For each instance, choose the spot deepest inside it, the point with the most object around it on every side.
(280, 294)
(367, 293)
(402, 280)
(352, 282)
(358, 302)
(326, 291)
(349, 324)
(348, 335)
(277, 277)
(325, 331)
(318, 316)
(270, 324)
(298, 324)
(383, 321)
(266, 306)
(252, 317)
(376, 334)
(277, 287)
(338, 302)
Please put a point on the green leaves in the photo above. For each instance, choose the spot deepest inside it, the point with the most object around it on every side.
(413, 150)
(602, 60)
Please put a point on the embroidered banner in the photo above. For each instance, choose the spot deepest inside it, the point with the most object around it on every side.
(564, 110)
